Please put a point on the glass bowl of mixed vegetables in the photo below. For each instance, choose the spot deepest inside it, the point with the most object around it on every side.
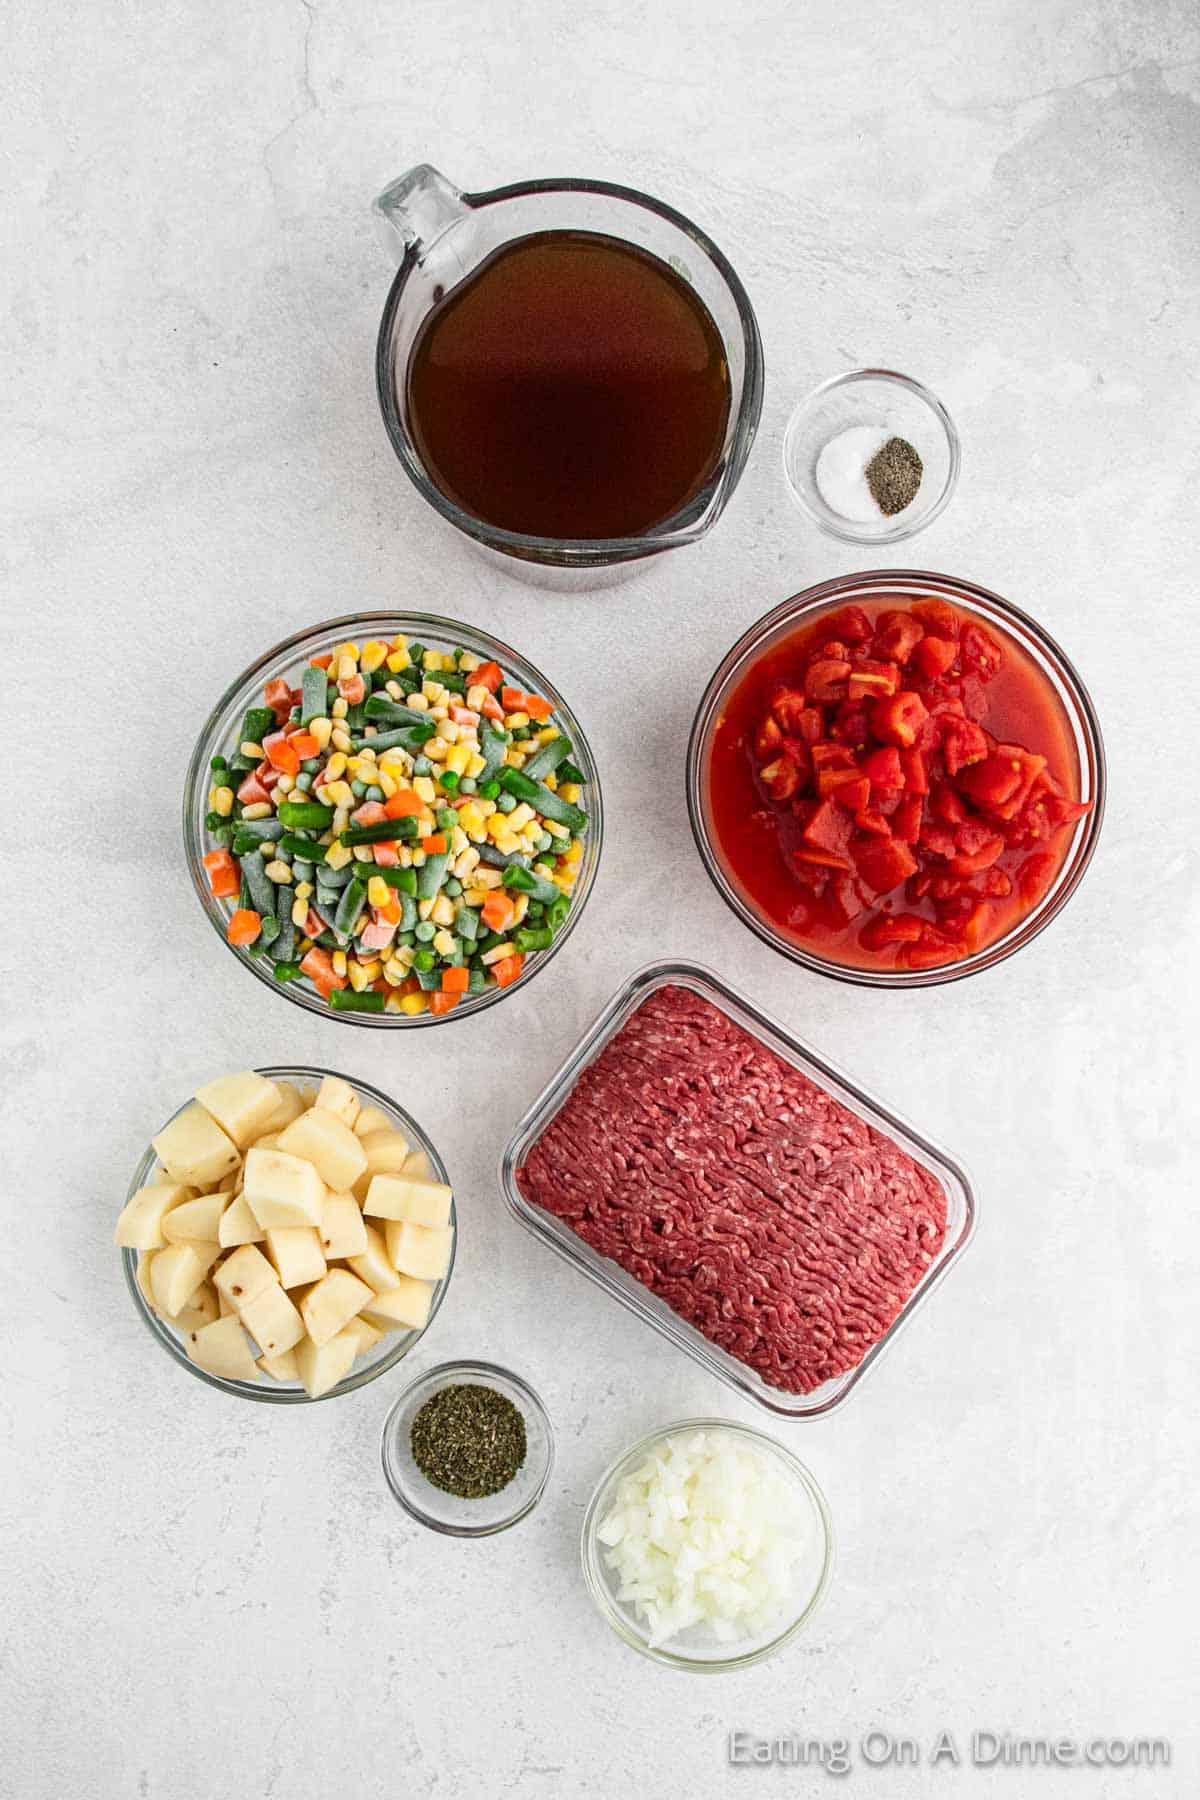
(393, 818)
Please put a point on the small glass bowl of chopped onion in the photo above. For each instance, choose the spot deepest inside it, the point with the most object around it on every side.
(707, 1546)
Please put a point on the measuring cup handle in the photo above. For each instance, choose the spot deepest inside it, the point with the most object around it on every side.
(415, 210)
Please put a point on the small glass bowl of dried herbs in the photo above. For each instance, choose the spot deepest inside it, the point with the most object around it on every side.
(468, 1449)
(871, 456)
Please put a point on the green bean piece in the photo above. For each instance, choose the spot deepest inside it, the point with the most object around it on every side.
(537, 937)
(287, 971)
(526, 882)
(258, 723)
(430, 876)
(262, 891)
(314, 684)
(492, 744)
(546, 760)
(549, 804)
(306, 815)
(346, 1000)
(381, 708)
(557, 911)
(569, 772)
(408, 737)
(381, 832)
(352, 902)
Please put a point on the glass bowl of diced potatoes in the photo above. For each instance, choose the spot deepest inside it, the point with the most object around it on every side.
(383, 998)
(288, 1235)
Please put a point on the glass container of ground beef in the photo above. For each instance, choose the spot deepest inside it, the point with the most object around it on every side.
(735, 1191)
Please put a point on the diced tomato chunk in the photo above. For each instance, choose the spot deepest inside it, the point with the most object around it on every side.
(991, 782)
(916, 775)
(843, 900)
(899, 719)
(967, 862)
(874, 822)
(828, 829)
(767, 739)
(906, 820)
(871, 680)
(979, 652)
(854, 794)
(883, 769)
(892, 928)
(882, 863)
(781, 778)
(934, 655)
(826, 679)
(850, 623)
(937, 616)
(898, 635)
(947, 804)
(1035, 875)
(963, 742)
(832, 756)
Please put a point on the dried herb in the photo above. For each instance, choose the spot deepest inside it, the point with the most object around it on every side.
(468, 1440)
(894, 475)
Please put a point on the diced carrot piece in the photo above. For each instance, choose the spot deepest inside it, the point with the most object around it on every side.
(497, 910)
(507, 969)
(455, 981)
(281, 754)
(278, 696)
(305, 745)
(512, 699)
(462, 715)
(537, 707)
(323, 661)
(371, 812)
(387, 854)
(434, 844)
(492, 709)
(314, 924)
(404, 805)
(488, 675)
(223, 876)
(391, 913)
(244, 926)
(441, 1002)
(352, 688)
(318, 966)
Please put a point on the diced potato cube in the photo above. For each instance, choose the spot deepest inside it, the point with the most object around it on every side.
(398, 1197)
(199, 1218)
(338, 1097)
(203, 1307)
(408, 1303)
(331, 1147)
(332, 1304)
(272, 1321)
(321, 1367)
(194, 1149)
(418, 1167)
(144, 1278)
(368, 1335)
(238, 1225)
(343, 1232)
(178, 1271)
(371, 1118)
(420, 1250)
(224, 1304)
(375, 1266)
(386, 1154)
(140, 1224)
(288, 1106)
(283, 1190)
(244, 1274)
(243, 1105)
(281, 1368)
(221, 1348)
(296, 1252)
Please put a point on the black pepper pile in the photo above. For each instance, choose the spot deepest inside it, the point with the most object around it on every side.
(468, 1440)
(894, 475)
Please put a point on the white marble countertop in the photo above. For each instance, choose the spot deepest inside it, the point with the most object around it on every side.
(205, 1599)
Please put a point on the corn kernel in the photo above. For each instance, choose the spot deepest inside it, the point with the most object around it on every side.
(424, 908)
(465, 863)
(250, 748)
(412, 1004)
(406, 857)
(474, 896)
(551, 781)
(285, 784)
(424, 789)
(363, 974)
(347, 668)
(574, 851)
(555, 829)
(514, 721)
(340, 738)
(222, 801)
(335, 768)
(299, 912)
(339, 708)
(442, 910)
(433, 659)
(520, 816)
(374, 655)
(443, 943)
(447, 732)
(303, 947)
(259, 810)
(470, 817)
(476, 696)
(570, 791)
(417, 703)
(337, 856)
(458, 756)
(496, 954)
(458, 841)
(378, 891)
(364, 854)
(279, 872)
(397, 660)
(338, 960)
(476, 766)
(467, 663)
(304, 890)
(321, 729)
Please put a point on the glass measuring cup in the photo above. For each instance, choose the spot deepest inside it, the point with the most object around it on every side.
(439, 235)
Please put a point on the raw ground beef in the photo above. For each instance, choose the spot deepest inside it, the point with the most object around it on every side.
(758, 1207)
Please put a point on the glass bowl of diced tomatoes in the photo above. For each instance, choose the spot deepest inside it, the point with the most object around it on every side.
(307, 962)
(896, 778)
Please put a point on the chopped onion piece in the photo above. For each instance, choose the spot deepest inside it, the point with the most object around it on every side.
(707, 1531)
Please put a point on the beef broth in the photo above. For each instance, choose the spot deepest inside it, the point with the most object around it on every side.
(573, 386)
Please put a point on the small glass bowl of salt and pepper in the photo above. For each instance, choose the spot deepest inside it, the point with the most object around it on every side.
(468, 1449)
(871, 456)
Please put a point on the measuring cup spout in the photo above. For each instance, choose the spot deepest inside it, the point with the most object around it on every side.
(413, 211)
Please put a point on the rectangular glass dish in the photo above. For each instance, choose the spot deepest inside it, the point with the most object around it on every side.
(559, 1236)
